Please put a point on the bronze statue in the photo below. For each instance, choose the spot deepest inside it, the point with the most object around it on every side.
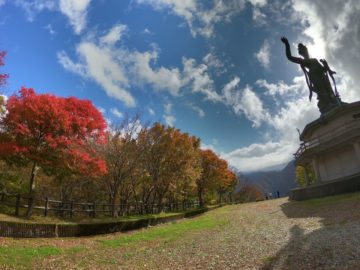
(316, 76)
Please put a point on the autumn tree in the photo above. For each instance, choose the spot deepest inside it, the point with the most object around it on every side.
(249, 193)
(213, 174)
(52, 133)
(169, 160)
(226, 183)
(122, 156)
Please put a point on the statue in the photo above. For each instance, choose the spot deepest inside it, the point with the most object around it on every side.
(316, 76)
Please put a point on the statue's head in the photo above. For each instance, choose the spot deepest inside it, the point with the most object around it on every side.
(303, 51)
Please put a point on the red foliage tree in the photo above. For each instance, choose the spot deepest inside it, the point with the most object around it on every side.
(54, 133)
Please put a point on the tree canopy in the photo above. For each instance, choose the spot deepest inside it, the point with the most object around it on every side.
(54, 133)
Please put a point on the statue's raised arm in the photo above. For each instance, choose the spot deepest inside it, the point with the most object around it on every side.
(296, 60)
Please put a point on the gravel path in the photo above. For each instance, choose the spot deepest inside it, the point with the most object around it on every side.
(274, 234)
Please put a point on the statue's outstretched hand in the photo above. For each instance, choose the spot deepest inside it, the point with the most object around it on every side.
(285, 40)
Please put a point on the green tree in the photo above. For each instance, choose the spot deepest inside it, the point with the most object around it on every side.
(300, 175)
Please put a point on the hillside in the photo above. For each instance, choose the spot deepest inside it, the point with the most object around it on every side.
(271, 181)
(273, 234)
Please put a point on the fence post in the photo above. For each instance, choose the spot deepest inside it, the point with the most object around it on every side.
(94, 210)
(71, 208)
(46, 206)
(17, 204)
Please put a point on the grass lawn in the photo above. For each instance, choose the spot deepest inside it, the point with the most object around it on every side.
(275, 234)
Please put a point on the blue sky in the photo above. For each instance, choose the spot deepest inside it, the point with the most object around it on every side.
(215, 69)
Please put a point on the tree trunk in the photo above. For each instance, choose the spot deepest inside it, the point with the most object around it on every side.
(113, 204)
(31, 191)
(200, 196)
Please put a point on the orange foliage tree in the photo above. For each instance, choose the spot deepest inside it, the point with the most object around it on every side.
(249, 193)
(215, 175)
(169, 160)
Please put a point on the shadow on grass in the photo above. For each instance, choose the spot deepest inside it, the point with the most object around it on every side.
(335, 245)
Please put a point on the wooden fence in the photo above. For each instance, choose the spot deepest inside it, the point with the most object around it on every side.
(31, 230)
(93, 209)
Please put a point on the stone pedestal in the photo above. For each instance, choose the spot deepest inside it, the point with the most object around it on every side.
(331, 145)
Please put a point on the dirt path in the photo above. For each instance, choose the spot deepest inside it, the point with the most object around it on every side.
(276, 234)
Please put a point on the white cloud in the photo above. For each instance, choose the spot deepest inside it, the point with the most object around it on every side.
(104, 69)
(50, 29)
(162, 78)
(281, 89)
(252, 107)
(198, 110)
(211, 147)
(213, 61)
(259, 3)
(199, 79)
(32, 7)
(147, 31)
(68, 64)
(258, 16)
(294, 112)
(200, 19)
(263, 55)
(114, 35)
(244, 101)
(260, 156)
(76, 11)
(99, 64)
(116, 112)
(168, 117)
(116, 68)
(169, 120)
(151, 111)
(102, 110)
(168, 107)
(2, 2)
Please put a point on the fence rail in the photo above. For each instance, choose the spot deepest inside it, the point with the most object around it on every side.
(347, 127)
(91, 209)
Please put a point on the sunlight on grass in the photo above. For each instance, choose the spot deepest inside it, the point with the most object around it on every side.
(167, 232)
(22, 257)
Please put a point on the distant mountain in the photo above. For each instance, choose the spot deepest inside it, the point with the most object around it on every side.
(271, 181)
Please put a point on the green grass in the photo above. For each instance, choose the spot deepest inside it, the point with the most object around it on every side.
(23, 257)
(332, 199)
(168, 232)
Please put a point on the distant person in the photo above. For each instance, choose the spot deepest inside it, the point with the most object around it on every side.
(266, 196)
(278, 194)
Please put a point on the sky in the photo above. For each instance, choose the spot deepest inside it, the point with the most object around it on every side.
(213, 68)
